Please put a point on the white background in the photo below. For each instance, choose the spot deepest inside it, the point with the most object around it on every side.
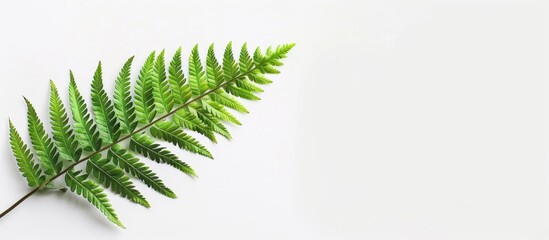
(390, 120)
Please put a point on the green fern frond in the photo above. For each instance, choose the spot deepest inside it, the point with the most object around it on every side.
(245, 61)
(170, 132)
(215, 75)
(197, 79)
(88, 189)
(211, 121)
(123, 103)
(133, 166)
(84, 127)
(185, 119)
(248, 85)
(163, 107)
(230, 67)
(182, 92)
(25, 160)
(103, 109)
(144, 98)
(63, 135)
(43, 145)
(145, 146)
(240, 92)
(161, 89)
(114, 178)
(259, 79)
(227, 100)
(258, 58)
(219, 112)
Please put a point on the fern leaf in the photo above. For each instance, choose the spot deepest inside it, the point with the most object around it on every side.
(259, 79)
(213, 123)
(123, 104)
(245, 61)
(63, 135)
(103, 109)
(182, 92)
(145, 146)
(92, 192)
(170, 132)
(43, 146)
(84, 127)
(215, 74)
(248, 85)
(144, 98)
(266, 63)
(25, 160)
(258, 57)
(114, 178)
(219, 112)
(230, 67)
(239, 92)
(227, 100)
(197, 80)
(270, 69)
(185, 119)
(133, 166)
(163, 103)
(274, 57)
(161, 90)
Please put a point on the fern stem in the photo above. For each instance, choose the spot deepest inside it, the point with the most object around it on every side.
(145, 127)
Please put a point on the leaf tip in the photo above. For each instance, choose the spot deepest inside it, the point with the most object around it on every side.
(120, 224)
(171, 195)
(143, 202)
(53, 88)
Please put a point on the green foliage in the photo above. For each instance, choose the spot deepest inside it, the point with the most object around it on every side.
(163, 106)
(197, 79)
(144, 97)
(112, 176)
(42, 143)
(103, 109)
(133, 166)
(219, 112)
(215, 75)
(187, 120)
(163, 96)
(227, 100)
(81, 185)
(170, 132)
(145, 146)
(25, 160)
(62, 132)
(211, 121)
(240, 92)
(123, 104)
(84, 127)
(181, 91)
(230, 67)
